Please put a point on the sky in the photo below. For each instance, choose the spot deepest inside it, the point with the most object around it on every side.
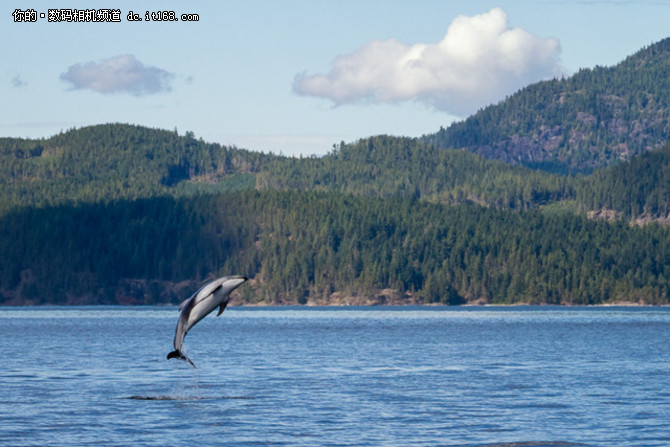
(298, 76)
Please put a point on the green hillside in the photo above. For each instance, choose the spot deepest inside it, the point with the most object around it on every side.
(123, 214)
(114, 161)
(592, 119)
(637, 189)
(385, 166)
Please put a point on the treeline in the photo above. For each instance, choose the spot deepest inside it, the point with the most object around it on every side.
(304, 247)
(592, 119)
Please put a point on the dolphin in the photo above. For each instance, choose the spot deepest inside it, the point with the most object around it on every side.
(213, 294)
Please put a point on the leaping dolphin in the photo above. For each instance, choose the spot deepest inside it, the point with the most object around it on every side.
(210, 296)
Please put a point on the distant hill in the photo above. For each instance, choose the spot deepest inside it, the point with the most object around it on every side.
(117, 161)
(120, 161)
(113, 161)
(638, 189)
(592, 119)
(386, 166)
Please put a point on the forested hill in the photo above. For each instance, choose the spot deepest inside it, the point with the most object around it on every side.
(113, 161)
(113, 214)
(386, 166)
(638, 189)
(119, 161)
(589, 120)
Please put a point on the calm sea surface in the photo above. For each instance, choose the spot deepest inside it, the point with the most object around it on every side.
(337, 377)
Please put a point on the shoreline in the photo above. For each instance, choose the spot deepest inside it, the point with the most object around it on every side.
(621, 304)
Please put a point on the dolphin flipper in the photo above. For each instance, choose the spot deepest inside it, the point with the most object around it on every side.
(222, 308)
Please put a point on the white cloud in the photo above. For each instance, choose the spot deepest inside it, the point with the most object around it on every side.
(118, 74)
(479, 61)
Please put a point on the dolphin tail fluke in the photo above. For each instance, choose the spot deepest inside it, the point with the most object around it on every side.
(176, 354)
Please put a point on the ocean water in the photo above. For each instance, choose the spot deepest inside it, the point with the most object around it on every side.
(521, 376)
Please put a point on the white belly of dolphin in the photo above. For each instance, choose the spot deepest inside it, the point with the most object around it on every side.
(204, 307)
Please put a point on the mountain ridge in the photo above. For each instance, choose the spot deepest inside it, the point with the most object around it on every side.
(81, 165)
(589, 120)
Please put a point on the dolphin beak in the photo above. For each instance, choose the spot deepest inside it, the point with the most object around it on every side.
(236, 282)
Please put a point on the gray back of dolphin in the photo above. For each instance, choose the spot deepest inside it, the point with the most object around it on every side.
(213, 294)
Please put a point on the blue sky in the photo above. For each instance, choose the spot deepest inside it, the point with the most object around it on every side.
(295, 76)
